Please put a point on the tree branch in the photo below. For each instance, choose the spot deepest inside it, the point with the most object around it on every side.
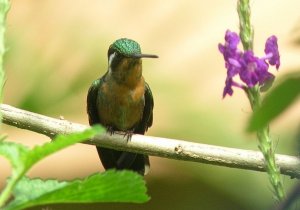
(155, 146)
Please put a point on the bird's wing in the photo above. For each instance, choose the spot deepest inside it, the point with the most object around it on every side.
(108, 157)
(147, 118)
(92, 102)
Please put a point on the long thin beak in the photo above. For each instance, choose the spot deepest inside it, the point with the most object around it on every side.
(144, 56)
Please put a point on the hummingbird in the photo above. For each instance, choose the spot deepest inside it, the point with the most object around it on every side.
(122, 101)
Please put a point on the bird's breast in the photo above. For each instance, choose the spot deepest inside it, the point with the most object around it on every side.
(119, 106)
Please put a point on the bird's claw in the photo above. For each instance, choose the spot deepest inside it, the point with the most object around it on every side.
(110, 130)
(128, 135)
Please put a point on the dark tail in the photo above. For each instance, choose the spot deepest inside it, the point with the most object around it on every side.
(124, 160)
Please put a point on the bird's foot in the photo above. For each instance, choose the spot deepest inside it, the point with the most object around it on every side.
(128, 135)
(110, 130)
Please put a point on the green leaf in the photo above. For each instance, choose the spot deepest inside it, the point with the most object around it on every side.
(30, 189)
(15, 153)
(60, 142)
(278, 100)
(110, 186)
(22, 158)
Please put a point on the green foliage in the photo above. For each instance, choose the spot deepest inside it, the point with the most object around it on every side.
(275, 103)
(13, 152)
(27, 191)
(106, 187)
(278, 100)
(4, 7)
(36, 101)
(110, 186)
(22, 158)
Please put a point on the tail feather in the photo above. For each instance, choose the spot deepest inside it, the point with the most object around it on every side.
(124, 160)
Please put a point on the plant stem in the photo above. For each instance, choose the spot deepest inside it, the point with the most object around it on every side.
(246, 29)
(267, 149)
(265, 143)
(4, 7)
(7, 192)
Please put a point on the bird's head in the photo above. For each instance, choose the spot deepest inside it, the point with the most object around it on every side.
(124, 57)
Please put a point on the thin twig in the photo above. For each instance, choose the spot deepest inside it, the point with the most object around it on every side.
(155, 146)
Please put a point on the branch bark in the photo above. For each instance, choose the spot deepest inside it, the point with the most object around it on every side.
(155, 146)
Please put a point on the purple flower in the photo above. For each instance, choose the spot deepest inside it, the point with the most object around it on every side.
(252, 70)
(229, 50)
(271, 50)
(228, 86)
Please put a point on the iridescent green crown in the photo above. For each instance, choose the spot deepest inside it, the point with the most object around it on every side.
(126, 47)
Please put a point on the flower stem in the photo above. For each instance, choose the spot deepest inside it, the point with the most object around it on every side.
(265, 142)
(246, 29)
(267, 148)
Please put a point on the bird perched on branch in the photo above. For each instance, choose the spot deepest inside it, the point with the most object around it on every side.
(121, 100)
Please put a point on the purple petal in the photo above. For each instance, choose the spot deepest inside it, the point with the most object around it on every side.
(265, 77)
(233, 67)
(248, 70)
(262, 71)
(267, 81)
(232, 39)
(271, 47)
(249, 77)
(229, 49)
(251, 70)
(228, 87)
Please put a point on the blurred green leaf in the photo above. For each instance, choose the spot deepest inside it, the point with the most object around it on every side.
(14, 152)
(61, 142)
(28, 190)
(110, 186)
(44, 74)
(278, 100)
(22, 158)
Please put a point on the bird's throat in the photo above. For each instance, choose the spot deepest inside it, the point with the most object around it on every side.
(128, 73)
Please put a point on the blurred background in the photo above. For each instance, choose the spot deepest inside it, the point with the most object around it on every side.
(57, 48)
